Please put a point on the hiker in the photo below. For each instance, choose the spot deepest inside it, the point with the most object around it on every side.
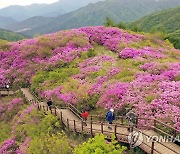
(49, 103)
(131, 117)
(7, 87)
(110, 116)
(85, 116)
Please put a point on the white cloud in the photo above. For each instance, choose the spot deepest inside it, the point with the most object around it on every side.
(4, 3)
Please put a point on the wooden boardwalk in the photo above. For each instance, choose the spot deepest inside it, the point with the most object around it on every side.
(72, 121)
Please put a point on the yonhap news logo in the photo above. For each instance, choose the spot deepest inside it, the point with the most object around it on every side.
(136, 138)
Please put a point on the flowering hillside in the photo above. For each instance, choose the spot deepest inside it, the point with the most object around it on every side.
(22, 127)
(99, 67)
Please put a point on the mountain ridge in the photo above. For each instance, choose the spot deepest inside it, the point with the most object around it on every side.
(6, 21)
(24, 12)
(95, 14)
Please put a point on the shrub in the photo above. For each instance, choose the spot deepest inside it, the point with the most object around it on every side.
(39, 78)
(96, 74)
(125, 73)
(177, 78)
(109, 22)
(4, 45)
(54, 144)
(98, 145)
(5, 131)
(150, 98)
(122, 25)
(91, 53)
(45, 41)
(45, 52)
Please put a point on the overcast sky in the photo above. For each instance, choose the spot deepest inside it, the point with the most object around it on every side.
(4, 3)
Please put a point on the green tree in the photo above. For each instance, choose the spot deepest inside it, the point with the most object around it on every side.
(136, 28)
(98, 145)
(109, 22)
(122, 25)
(50, 144)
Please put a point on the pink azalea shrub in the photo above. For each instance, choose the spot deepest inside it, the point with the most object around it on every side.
(57, 92)
(23, 148)
(109, 37)
(13, 103)
(145, 53)
(7, 144)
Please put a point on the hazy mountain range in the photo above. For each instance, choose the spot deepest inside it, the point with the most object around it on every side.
(6, 21)
(95, 14)
(89, 15)
(62, 6)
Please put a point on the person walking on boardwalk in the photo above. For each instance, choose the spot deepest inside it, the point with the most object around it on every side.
(49, 103)
(85, 115)
(110, 116)
(131, 117)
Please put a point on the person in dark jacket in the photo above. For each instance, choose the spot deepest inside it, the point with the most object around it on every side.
(131, 117)
(110, 116)
(49, 103)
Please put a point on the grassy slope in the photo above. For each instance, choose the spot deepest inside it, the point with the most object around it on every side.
(166, 21)
(10, 36)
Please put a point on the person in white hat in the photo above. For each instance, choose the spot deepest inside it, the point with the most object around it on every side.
(110, 116)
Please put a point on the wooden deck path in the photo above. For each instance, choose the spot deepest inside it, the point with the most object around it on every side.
(73, 122)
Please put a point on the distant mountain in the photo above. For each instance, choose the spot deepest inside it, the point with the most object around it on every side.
(168, 20)
(29, 24)
(10, 36)
(23, 12)
(95, 14)
(6, 21)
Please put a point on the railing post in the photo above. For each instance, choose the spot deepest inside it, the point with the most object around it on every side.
(152, 148)
(75, 125)
(91, 130)
(51, 110)
(122, 120)
(40, 107)
(61, 118)
(102, 128)
(43, 108)
(91, 118)
(82, 125)
(100, 118)
(47, 108)
(55, 112)
(136, 121)
(115, 131)
(174, 135)
(155, 123)
(68, 123)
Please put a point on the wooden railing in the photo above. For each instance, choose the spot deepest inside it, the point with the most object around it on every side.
(5, 91)
(78, 126)
(148, 124)
(34, 95)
